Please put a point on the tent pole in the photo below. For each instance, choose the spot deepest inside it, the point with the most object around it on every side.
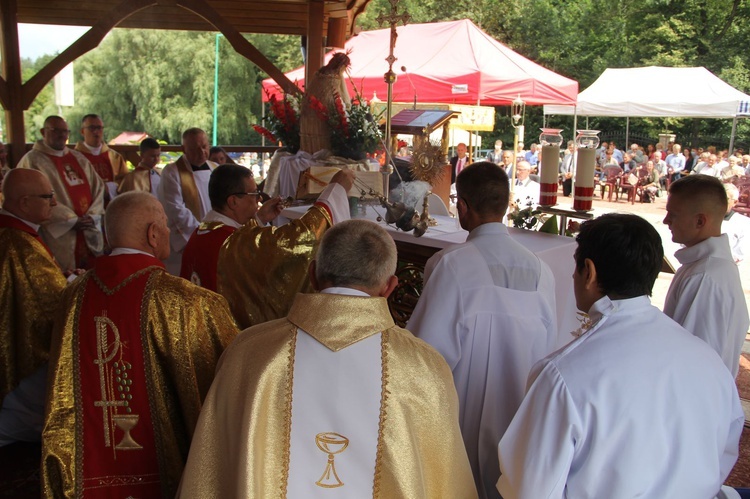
(575, 132)
(627, 133)
(734, 130)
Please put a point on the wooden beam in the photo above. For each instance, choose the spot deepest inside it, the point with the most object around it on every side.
(314, 38)
(239, 43)
(88, 41)
(10, 88)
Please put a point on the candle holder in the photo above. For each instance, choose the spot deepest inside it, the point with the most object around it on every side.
(518, 112)
(583, 193)
(551, 139)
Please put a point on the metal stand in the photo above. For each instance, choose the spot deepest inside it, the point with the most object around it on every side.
(564, 213)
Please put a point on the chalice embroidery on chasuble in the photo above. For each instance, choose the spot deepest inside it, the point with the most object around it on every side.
(119, 450)
(115, 384)
(332, 444)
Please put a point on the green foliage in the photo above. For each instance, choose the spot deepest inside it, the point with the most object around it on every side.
(162, 82)
(44, 105)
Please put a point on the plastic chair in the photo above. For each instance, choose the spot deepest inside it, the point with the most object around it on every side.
(627, 188)
(610, 179)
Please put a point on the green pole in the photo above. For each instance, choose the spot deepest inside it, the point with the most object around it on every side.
(216, 91)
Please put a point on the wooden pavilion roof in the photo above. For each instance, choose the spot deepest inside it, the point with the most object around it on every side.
(288, 17)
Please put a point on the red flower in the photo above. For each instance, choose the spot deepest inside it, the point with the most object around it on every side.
(290, 114)
(319, 108)
(264, 132)
(343, 121)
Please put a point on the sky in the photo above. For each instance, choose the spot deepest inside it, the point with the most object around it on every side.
(36, 40)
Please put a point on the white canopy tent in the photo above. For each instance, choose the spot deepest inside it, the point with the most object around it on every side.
(658, 92)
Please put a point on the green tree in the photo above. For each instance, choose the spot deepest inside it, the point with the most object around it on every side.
(162, 82)
(44, 104)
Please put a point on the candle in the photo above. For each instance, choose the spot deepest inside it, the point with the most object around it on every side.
(583, 196)
(549, 174)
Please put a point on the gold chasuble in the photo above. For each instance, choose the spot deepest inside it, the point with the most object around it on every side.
(31, 285)
(190, 195)
(137, 180)
(261, 269)
(242, 447)
(131, 362)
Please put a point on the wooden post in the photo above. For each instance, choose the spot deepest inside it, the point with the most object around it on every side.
(314, 38)
(11, 91)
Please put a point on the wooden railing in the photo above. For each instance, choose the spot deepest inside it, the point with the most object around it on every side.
(130, 152)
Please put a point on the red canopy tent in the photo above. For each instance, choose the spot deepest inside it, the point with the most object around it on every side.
(449, 62)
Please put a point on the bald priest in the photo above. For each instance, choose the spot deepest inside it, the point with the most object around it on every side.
(131, 362)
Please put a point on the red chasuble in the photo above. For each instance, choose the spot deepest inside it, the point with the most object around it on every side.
(79, 190)
(102, 165)
(201, 255)
(7, 222)
(119, 451)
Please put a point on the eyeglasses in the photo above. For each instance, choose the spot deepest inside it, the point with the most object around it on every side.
(61, 131)
(94, 128)
(43, 196)
(243, 194)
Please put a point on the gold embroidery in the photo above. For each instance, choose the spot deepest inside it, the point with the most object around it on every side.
(383, 412)
(331, 443)
(585, 324)
(109, 292)
(288, 410)
(111, 379)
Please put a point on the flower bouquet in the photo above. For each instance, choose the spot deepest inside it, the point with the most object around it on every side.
(282, 123)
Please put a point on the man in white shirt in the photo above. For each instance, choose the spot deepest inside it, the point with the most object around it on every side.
(525, 191)
(675, 163)
(706, 295)
(183, 191)
(332, 400)
(568, 168)
(636, 406)
(710, 167)
(488, 305)
(736, 226)
(660, 166)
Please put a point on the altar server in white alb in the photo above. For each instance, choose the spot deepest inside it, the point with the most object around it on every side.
(636, 406)
(706, 295)
(488, 306)
(183, 191)
(334, 400)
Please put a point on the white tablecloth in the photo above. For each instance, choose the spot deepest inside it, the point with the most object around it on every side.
(556, 251)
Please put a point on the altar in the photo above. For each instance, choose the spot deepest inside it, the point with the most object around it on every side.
(556, 251)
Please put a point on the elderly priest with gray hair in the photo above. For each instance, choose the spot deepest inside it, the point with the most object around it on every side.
(333, 399)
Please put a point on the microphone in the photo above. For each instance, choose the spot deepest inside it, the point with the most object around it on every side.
(408, 77)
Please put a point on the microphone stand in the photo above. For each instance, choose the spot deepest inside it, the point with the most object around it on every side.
(414, 89)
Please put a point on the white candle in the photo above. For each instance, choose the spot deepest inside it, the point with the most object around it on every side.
(585, 167)
(550, 162)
